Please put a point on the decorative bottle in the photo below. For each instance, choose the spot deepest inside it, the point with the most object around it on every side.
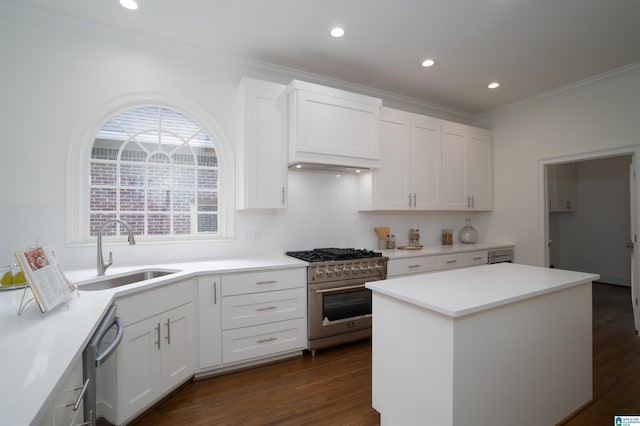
(468, 234)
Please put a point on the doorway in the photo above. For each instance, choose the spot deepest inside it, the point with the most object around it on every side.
(589, 220)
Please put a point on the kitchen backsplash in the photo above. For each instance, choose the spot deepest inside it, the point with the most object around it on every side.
(322, 212)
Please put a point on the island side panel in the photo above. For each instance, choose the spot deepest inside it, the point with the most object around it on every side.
(412, 363)
(526, 363)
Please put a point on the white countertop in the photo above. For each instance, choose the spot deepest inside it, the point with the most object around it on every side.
(37, 350)
(460, 292)
(440, 249)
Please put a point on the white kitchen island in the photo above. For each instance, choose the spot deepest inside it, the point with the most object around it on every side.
(500, 344)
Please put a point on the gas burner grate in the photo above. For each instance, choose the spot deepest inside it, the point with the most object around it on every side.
(332, 254)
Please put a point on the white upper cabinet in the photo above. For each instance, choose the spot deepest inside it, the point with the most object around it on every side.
(410, 163)
(332, 127)
(561, 187)
(467, 168)
(261, 149)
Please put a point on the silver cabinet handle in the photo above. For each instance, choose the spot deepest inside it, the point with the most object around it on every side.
(270, 339)
(283, 196)
(168, 331)
(266, 282)
(414, 200)
(338, 289)
(268, 308)
(158, 333)
(473, 202)
(449, 262)
(215, 292)
(79, 400)
(477, 258)
(414, 266)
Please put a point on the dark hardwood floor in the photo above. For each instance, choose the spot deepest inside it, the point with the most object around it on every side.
(335, 387)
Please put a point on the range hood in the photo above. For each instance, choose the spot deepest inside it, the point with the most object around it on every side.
(332, 130)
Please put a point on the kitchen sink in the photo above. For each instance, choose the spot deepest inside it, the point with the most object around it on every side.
(117, 281)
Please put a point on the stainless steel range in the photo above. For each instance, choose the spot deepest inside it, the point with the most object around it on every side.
(339, 305)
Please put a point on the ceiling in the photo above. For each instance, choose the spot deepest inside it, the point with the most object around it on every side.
(529, 46)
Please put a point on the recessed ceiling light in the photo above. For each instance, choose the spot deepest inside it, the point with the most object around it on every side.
(493, 85)
(337, 32)
(129, 4)
(428, 63)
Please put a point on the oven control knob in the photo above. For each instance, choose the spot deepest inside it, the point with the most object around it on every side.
(329, 273)
(371, 269)
(347, 271)
(338, 272)
(363, 269)
(354, 270)
(319, 274)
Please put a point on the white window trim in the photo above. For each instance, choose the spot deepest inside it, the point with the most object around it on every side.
(78, 165)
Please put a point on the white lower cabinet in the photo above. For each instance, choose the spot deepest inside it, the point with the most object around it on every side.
(410, 266)
(209, 296)
(263, 340)
(431, 263)
(461, 260)
(263, 314)
(157, 350)
(66, 409)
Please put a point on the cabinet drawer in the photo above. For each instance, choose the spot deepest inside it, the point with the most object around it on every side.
(460, 260)
(149, 303)
(261, 308)
(412, 265)
(257, 282)
(263, 340)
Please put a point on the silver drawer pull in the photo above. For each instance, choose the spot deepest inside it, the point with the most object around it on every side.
(477, 258)
(451, 261)
(79, 400)
(414, 266)
(270, 339)
(268, 308)
(266, 282)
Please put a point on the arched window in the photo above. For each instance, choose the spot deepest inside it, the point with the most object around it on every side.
(157, 170)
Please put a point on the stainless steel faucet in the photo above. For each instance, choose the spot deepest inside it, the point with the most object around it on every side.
(102, 267)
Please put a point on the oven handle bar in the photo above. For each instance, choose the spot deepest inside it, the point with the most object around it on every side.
(336, 289)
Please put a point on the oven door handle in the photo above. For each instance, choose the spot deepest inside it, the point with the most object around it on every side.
(336, 289)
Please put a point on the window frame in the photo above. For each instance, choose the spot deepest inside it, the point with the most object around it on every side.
(79, 162)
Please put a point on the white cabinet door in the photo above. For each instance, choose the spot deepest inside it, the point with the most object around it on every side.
(60, 412)
(410, 163)
(426, 164)
(454, 170)
(261, 149)
(138, 368)
(392, 181)
(467, 170)
(178, 346)
(561, 187)
(480, 165)
(209, 327)
(331, 126)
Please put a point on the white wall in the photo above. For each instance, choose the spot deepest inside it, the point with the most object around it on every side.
(593, 238)
(57, 72)
(602, 115)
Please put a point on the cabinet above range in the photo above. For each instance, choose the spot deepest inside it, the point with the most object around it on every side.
(332, 127)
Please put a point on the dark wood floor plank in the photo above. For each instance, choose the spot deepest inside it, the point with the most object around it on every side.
(335, 386)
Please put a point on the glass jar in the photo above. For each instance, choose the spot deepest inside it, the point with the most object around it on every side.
(447, 237)
(391, 242)
(468, 234)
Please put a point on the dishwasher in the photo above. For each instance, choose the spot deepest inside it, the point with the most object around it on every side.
(102, 345)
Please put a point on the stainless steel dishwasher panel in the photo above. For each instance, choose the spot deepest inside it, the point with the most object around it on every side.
(102, 345)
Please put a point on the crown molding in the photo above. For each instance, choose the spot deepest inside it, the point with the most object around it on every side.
(562, 89)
